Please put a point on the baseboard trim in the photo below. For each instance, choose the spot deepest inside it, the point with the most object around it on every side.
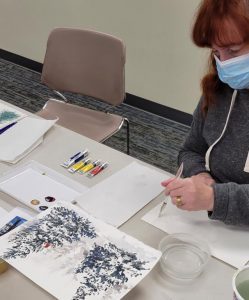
(21, 60)
(132, 100)
(159, 109)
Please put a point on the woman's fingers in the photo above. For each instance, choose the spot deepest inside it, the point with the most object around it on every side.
(166, 182)
(176, 184)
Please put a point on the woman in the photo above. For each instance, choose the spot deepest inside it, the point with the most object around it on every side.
(215, 154)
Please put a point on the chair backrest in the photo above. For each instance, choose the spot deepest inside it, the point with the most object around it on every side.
(85, 62)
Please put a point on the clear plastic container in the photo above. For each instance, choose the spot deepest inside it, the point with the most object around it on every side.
(183, 256)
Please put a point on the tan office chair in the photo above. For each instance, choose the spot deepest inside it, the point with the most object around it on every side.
(89, 63)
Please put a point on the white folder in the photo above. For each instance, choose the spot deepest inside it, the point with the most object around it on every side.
(22, 138)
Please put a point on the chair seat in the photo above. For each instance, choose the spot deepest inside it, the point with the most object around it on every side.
(94, 124)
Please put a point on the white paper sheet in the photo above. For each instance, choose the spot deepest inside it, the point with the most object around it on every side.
(22, 137)
(228, 243)
(120, 196)
(74, 256)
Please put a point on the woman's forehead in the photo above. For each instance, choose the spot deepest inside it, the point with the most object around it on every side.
(227, 34)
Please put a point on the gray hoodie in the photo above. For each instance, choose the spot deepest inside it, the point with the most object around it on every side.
(228, 157)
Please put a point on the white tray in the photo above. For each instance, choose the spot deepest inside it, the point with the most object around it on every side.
(34, 181)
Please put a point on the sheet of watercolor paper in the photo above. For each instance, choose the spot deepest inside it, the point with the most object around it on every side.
(9, 115)
(75, 256)
(17, 140)
(120, 196)
(228, 243)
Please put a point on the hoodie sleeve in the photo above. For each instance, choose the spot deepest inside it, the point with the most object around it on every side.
(194, 148)
(231, 203)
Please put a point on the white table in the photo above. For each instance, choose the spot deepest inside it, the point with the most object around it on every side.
(213, 284)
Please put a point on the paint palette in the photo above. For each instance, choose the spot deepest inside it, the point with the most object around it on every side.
(39, 187)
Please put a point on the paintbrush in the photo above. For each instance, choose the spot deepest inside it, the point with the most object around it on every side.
(165, 201)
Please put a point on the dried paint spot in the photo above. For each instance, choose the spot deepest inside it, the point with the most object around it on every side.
(43, 207)
(35, 202)
(50, 199)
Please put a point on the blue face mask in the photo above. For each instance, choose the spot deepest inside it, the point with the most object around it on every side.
(234, 71)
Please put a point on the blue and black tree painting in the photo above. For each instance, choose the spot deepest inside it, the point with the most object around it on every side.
(53, 230)
(106, 268)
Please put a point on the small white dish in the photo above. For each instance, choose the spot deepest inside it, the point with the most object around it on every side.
(183, 256)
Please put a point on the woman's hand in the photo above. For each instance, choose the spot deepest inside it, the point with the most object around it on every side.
(194, 193)
(207, 178)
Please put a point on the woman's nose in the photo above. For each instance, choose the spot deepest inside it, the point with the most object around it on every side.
(224, 56)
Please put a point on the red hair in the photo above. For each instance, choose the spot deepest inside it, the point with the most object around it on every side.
(224, 23)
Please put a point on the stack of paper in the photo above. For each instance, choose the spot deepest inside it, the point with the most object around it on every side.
(22, 138)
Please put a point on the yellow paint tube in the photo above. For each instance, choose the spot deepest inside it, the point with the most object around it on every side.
(79, 165)
(89, 167)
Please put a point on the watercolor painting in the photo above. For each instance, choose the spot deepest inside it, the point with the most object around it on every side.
(75, 256)
(6, 116)
(9, 115)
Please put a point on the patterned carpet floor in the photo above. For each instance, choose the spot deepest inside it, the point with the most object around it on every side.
(153, 139)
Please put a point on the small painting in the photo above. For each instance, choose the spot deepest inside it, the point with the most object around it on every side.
(9, 115)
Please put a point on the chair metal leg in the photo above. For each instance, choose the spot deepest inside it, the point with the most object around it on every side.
(61, 95)
(127, 136)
